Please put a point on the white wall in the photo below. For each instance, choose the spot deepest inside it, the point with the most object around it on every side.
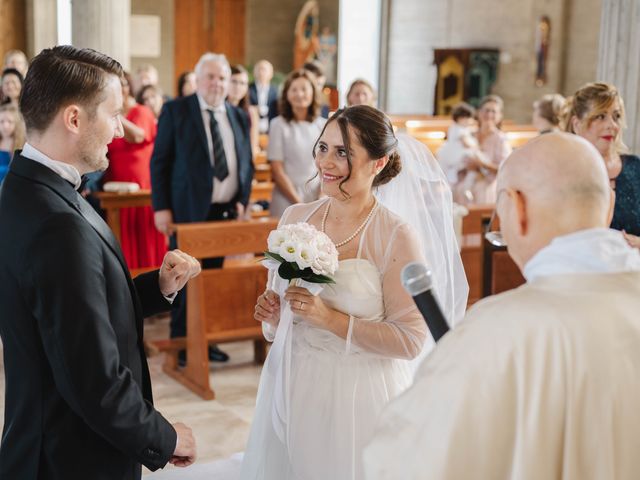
(358, 43)
(419, 26)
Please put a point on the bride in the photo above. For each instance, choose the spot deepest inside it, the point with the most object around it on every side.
(340, 356)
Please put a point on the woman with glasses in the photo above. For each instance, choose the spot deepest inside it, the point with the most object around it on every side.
(596, 113)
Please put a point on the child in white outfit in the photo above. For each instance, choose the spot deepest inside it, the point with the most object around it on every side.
(460, 145)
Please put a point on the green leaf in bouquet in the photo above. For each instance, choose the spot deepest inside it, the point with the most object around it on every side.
(315, 278)
(289, 271)
(274, 256)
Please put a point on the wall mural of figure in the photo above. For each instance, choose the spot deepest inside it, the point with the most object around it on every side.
(306, 44)
(327, 50)
(543, 38)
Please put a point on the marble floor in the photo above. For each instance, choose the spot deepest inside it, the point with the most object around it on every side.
(220, 426)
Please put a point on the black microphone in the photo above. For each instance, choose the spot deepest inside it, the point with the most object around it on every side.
(416, 280)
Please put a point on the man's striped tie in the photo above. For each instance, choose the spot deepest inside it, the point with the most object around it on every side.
(220, 168)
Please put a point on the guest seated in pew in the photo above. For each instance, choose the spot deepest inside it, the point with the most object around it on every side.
(539, 382)
(596, 113)
(361, 92)
(494, 149)
(202, 166)
(547, 113)
(291, 139)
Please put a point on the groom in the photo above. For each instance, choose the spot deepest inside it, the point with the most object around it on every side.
(78, 393)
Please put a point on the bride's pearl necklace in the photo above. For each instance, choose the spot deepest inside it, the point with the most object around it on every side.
(358, 230)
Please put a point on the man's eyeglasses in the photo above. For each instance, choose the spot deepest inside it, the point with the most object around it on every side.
(493, 236)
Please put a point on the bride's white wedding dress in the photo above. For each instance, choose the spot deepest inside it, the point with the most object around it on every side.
(317, 408)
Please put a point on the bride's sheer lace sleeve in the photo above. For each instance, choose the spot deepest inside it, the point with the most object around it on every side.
(390, 245)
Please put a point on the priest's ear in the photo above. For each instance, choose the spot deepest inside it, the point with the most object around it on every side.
(520, 207)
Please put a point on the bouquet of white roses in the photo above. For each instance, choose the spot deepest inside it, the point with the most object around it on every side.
(302, 252)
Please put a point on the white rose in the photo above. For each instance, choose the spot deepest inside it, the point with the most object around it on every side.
(324, 264)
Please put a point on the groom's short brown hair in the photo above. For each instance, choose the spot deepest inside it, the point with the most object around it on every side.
(60, 76)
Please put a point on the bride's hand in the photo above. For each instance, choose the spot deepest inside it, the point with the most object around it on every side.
(310, 307)
(268, 308)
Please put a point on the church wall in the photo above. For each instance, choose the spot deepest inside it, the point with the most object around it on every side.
(582, 44)
(418, 26)
(164, 64)
(270, 25)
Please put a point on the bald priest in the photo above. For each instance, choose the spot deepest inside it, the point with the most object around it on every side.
(541, 382)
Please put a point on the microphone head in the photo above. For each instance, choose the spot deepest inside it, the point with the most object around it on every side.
(416, 278)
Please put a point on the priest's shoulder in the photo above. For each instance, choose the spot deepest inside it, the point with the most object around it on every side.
(513, 309)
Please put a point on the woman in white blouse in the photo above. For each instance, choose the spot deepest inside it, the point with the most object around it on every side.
(291, 138)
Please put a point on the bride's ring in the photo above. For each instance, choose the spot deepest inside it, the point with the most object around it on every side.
(301, 305)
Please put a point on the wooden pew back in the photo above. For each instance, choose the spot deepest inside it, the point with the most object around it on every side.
(220, 302)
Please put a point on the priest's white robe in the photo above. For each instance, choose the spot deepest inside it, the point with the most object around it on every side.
(541, 382)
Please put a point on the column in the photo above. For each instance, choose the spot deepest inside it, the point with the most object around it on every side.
(42, 27)
(619, 60)
(102, 25)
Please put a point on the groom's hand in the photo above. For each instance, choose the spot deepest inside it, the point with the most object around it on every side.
(176, 270)
(185, 453)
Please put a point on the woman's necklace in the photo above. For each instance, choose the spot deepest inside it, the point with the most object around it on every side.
(358, 230)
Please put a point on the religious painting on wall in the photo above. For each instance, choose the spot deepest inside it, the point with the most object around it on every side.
(306, 43)
(543, 37)
(464, 74)
(327, 49)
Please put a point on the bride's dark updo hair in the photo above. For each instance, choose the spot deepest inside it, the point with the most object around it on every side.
(375, 133)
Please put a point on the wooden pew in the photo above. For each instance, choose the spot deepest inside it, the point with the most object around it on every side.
(220, 302)
(263, 141)
(500, 273)
(112, 202)
(471, 248)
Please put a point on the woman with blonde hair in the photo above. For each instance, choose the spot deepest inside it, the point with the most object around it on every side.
(596, 113)
(11, 135)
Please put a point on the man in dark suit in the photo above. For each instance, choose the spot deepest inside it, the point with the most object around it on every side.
(263, 94)
(78, 392)
(202, 165)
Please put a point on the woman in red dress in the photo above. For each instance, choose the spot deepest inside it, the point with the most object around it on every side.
(129, 156)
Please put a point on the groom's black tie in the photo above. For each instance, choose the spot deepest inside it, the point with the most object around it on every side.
(220, 168)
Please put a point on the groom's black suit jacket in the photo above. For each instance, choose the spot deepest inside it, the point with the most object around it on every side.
(78, 395)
